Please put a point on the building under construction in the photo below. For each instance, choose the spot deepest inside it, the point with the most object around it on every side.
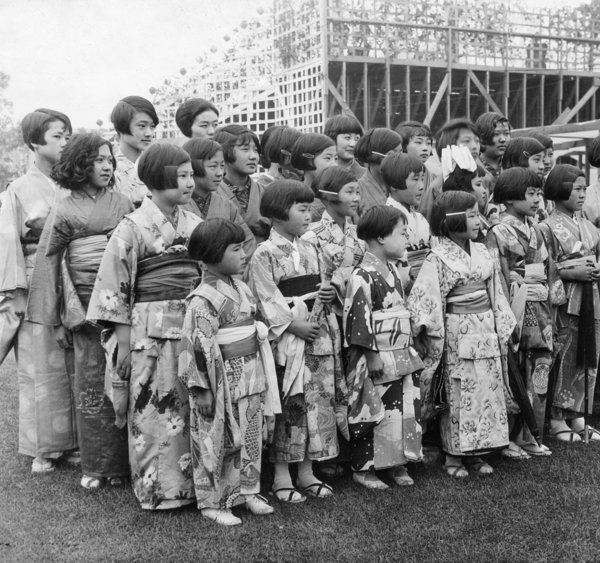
(388, 61)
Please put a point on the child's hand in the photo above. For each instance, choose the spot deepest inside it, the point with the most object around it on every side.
(326, 293)
(374, 364)
(304, 329)
(204, 401)
(581, 273)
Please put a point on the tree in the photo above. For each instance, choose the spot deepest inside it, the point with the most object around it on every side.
(13, 155)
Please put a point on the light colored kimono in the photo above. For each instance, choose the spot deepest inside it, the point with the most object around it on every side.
(158, 414)
(127, 180)
(46, 411)
(469, 345)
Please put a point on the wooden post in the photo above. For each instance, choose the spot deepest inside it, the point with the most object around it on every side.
(542, 88)
(428, 87)
(407, 90)
(468, 93)
(388, 92)
(365, 83)
(524, 101)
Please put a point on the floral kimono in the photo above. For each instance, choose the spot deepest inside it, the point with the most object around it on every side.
(220, 352)
(310, 375)
(142, 282)
(461, 318)
(77, 232)
(384, 411)
(339, 253)
(571, 241)
(127, 180)
(46, 411)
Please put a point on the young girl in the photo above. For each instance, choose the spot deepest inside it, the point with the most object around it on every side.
(276, 156)
(221, 365)
(382, 365)
(462, 319)
(78, 232)
(197, 118)
(573, 243)
(371, 150)
(144, 277)
(591, 207)
(518, 246)
(311, 154)
(284, 276)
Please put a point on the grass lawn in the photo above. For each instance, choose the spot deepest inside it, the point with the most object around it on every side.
(540, 510)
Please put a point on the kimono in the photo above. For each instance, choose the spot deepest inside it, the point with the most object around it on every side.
(339, 253)
(310, 376)
(46, 411)
(220, 352)
(571, 240)
(77, 232)
(142, 282)
(247, 200)
(371, 192)
(384, 410)
(461, 321)
(527, 277)
(127, 180)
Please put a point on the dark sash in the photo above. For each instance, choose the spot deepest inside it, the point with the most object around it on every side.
(466, 306)
(166, 277)
(300, 285)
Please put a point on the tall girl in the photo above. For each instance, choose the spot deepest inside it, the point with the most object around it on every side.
(574, 244)
(78, 231)
(461, 318)
(144, 277)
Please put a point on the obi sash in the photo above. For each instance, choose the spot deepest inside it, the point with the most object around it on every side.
(237, 340)
(415, 259)
(301, 287)
(85, 255)
(469, 298)
(166, 277)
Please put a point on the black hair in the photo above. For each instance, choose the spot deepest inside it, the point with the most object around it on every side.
(486, 123)
(332, 179)
(157, 167)
(199, 151)
(593, 152)
(306, 148)
(76, 163)
(546, 141)
(375, 144)
(124, 111)
(409, 129)
(341, 125)
(447, 135)
(378, 222)
(277, 148)
(513, 183)
(519, 150)
(264, 160)
(210, 239)
(36, 123)
(559, 182)
(234, 135)
(442, 221)
(280, 195)
(459, 180)
(397, 167)
(186, 113)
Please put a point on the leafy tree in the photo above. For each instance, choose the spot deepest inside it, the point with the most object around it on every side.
(13, 154)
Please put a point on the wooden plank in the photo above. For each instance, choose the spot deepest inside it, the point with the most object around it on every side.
(584, 100)
(524, 100)
(491, 103)
(407, 88)
(560, 129)
(366, 105)
(428, 87)
(388, 93)
(449, 94)
(506, 93)
(338, 97)
(468, 94)
(437, 100)
(542, 93)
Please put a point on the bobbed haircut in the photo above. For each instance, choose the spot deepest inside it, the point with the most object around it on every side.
(459, 180)
(278, 147)
(187, 112)
(447, 135)
(125, 110)
(332, 179)
(379, 222)
(157, 167)
(447, 203)
(375, 144)
(234, 135)
(342, 125)
(486, 123)
(210, 239)
(513, 183)
(397, 167)
(519, 150)
(36, 123)
(280, 195)
(306, 148)
(76, 163)
(546, 141)
(264, 138)
(199, 151)
(559, 182)
(409, 129)
(593, 152)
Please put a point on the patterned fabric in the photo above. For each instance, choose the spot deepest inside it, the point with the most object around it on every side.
(127, 181)
(469, 344)
(241, 193)
(202, 203)
(250, 208)
(384, 411)
(158, 417)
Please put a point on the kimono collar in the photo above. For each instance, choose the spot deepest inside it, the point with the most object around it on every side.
(372, 262)
(157, 218)
(328, 221)
(284, 244)
(229, 290)
(405, 210)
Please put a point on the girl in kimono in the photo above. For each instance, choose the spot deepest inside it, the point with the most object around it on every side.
(208, 165)
(311, 154)
(591, 207)
(140, 291)
(276, 154)
(197, 118)
(77, 232)
(403, 176)
(382, 368)
(371, 149)
(573, 243)
(222, 365)
(285, 278)
(47, 429)
(518, 246)
(461, 323)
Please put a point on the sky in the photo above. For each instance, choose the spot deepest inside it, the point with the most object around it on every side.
(82, 56)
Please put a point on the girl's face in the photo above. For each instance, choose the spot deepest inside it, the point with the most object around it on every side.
(414, 189)
(55, 139)
(480, 192)
(419, 147)
(577, 198)
(548, 160)
(182, 194)
(348, 200)
(204, 125)
(466, 138)
(246, 159)
(297, 222)
(394, 245)
(527, 207)
(500, 139)
(214, 169)
(142, 132)
(535, 163)
(473, 225)
(325, 159)
(345, 144)
(103, 168)
(232, 262)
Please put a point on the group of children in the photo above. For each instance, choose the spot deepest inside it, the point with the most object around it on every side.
(175, 314)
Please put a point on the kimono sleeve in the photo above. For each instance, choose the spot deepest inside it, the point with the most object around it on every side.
(556, 287)
(504, 317)
(497, 250)
(358, 311)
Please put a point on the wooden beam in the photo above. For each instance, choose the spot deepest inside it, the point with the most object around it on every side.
(437, 100)
(524, 100)
(407, 98)
(468, 95)
(449, 95)
(542, 93)
(484, 92)
(388, 93)
(338, 97)
(565, 118)
(559, 129)
(366, 105)
(506, 93)
(428, 87)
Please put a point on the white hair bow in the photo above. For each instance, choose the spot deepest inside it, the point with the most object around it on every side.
(454, 156)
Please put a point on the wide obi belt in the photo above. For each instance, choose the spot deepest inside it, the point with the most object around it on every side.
(393, 337)
(470, 298)
(85, 255)
(302, 287)
(237, 340)
(166, 277)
